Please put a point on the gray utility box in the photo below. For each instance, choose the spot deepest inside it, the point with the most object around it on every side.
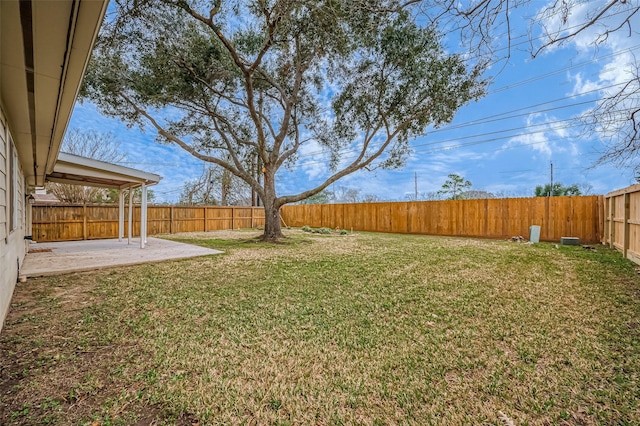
(570, 241)
(534, 233)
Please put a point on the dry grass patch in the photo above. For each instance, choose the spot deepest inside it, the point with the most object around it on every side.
(356, 329)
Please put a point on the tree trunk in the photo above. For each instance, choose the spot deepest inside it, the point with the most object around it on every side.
(225, 189)
(272, 227)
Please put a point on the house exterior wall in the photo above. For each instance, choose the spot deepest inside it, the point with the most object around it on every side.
(13, 246)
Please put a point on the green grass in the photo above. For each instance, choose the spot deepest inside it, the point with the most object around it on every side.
(356, 329)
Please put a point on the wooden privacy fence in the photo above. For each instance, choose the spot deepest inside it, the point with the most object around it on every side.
(622, 221)
(487, 218)
(57, 222)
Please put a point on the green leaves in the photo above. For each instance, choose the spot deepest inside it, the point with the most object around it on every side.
(558, 189)
(455, 187)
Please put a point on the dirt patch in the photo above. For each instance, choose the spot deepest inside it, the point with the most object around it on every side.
(40, 250)
(155, 414)
(223, 235)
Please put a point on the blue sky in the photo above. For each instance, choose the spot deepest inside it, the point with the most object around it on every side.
(509, 157)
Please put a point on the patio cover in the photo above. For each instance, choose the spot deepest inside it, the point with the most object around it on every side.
(74, 169)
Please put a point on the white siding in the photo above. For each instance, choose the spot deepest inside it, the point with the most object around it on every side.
(21, 187)
(12, 243)
(3, 183)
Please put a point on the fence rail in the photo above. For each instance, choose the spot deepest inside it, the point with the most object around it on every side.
(487, 218)
(622, 221)
(56, 222)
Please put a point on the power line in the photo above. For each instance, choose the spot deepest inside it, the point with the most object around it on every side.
(567, 68)
(473, 143)
(498, 117)
(484, 120)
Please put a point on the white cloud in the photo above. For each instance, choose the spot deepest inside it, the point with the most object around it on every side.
(609, 78)
(313, 161)
(546, 135)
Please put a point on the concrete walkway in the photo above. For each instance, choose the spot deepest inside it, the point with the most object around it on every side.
(74, 256)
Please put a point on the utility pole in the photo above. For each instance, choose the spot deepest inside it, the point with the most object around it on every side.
(551, 187)
(415, 178)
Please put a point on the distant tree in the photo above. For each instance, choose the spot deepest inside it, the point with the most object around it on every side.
(322, 197)
(558, 190)
(423, 196)
(370, 198)
(215, 186)
(90, 144)
(454, 187)
(111, 196)
(512, 194)
(475, 194)
(431, 196)
(344, 194)
(585, 188)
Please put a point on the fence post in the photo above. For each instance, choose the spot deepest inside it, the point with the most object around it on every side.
(625, 238)
(252, 222)
(612, 225)
(233, 223)
(601, 221)
(171, 220)
(205, 218)
(84, 221)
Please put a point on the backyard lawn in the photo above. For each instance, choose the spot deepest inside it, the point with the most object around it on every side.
(331, 329)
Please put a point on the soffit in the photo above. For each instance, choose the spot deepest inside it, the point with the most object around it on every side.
(42, 61)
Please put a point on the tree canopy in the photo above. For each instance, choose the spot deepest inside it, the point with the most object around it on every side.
(216, 186)
(557, 190)
(454, 187)
(246, 84)
(89, 144)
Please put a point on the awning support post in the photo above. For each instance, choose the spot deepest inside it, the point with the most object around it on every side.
(143, 217)
(120, 215)
(130, 214)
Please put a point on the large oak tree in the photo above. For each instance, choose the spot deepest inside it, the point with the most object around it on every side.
(245, 84)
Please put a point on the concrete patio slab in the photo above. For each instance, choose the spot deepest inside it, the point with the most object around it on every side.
(66, 257)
